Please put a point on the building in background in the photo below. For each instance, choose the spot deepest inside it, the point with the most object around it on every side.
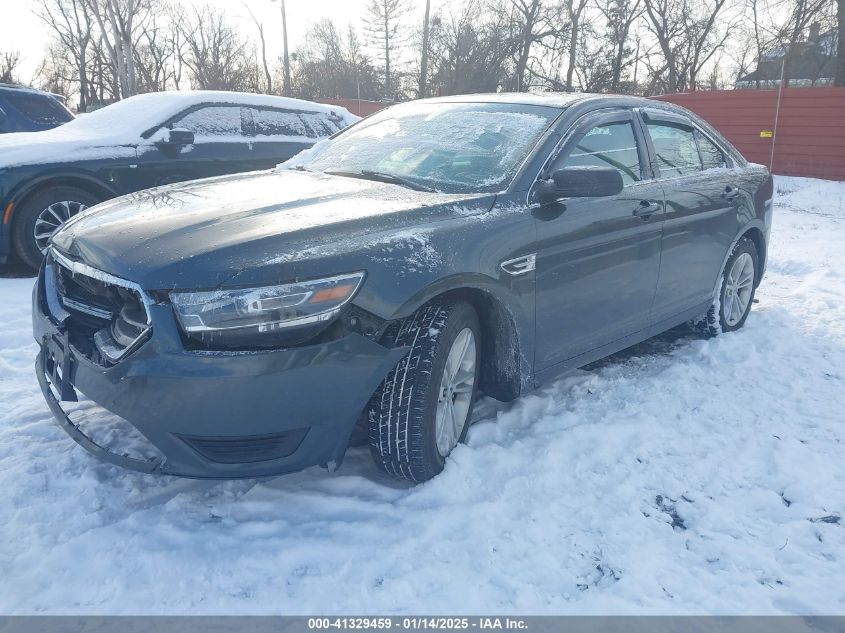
(813, 63)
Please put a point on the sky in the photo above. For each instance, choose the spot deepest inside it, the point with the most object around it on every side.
(22, 31)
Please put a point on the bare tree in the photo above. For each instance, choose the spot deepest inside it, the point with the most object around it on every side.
(537, 28)
(267, 78)
(424, 54)
(687, 34)
(575, 8)
(71, 23)
(156, 54)
(119, 22)
(469, 52)
(9, 62)
(216, 55)
(331, 65)
(619, 16)
(56, 73)
(383, 23)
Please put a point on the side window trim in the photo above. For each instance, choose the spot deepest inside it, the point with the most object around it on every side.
(654, 114)
(583, 125)
(596, 117)
(664, 116)
(727, 161)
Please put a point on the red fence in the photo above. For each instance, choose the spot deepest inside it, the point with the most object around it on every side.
(358, 106)
(810, 135)
(809, 139)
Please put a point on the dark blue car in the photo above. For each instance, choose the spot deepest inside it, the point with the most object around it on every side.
(248, 325)
(28, 110)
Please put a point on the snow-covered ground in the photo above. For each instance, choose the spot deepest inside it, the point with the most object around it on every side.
(684, 476)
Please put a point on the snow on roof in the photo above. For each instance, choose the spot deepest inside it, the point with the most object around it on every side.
(135, 115)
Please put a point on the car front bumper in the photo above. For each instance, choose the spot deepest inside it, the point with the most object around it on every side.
(217, 414)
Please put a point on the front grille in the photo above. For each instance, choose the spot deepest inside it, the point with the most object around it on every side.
(246, 448)
(106, 317)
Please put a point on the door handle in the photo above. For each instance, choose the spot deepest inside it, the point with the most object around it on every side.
(646, 209)
(730, 193)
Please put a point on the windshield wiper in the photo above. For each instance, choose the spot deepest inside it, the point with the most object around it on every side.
(380, 176)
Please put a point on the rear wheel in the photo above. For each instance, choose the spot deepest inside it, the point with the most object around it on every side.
(423, 407)
(736, 294)
(41, 214)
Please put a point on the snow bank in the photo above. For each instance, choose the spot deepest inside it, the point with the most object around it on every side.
(682, 476)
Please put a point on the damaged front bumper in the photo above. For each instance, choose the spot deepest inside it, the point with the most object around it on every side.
(216, 414)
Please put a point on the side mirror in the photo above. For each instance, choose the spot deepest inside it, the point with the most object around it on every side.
(580, 182)
(179, 136)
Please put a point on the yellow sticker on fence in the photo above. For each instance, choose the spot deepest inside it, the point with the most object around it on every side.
(766, 134)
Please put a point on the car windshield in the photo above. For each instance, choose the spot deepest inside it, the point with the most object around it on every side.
(447, 147)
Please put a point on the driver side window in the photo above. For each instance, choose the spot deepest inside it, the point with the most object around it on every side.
(606, 145)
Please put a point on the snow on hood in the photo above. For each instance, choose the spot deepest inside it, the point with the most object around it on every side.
(203, 232)
(111, 132)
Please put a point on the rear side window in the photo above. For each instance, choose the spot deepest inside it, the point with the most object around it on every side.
(711, 156)
(212, 121)
(607, 145)
(675, 148)
(41, 109)
(318, 124)
(272, 122)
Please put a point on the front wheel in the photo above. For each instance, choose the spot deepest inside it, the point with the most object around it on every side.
(736, 293)
(41, 214)
(423, 408)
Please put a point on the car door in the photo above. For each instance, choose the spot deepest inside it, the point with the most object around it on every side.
(220, 147)
(701, 212)
(276, 135)
(598, 258)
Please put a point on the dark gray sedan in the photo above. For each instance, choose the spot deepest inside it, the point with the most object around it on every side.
(250, 325)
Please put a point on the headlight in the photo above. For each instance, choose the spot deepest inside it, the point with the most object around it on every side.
(260, 312)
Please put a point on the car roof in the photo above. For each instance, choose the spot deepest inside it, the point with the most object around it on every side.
(27, 89)
(551, 99)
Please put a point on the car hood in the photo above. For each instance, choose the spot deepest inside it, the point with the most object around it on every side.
(201, 233)
(58, 145)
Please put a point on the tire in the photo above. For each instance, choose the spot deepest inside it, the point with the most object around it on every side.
(744, 261)
(403, 413)
(67, 200)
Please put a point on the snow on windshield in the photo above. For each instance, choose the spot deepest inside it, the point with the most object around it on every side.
(451, 147)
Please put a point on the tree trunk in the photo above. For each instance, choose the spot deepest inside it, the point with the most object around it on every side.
(387, 85)
(424, 57)
(839, 80)
(286, 89)
(575, 20)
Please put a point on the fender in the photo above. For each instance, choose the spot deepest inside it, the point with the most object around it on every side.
(455, 282)
(507, 321)
(64, 176)
(756, 223)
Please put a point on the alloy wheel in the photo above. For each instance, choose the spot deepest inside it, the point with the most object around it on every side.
(739, 287)
(456, 389)
(51, 218)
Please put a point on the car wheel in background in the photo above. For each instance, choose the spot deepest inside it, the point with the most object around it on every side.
(423, 408)
(41, 214)
(736, 294)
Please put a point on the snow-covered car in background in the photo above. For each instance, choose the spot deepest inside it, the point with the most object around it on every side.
(25, 109)
(145, 141)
